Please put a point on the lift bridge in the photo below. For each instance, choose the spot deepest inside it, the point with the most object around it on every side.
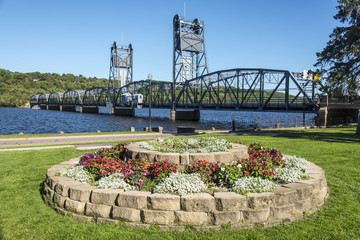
(193, 86)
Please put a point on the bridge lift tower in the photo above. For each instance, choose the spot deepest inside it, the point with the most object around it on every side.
(121, 66)
(189, 56)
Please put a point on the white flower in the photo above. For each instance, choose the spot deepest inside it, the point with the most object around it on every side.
(181, 184)
(239, 165)
(252, 184)
(223, 169)
(79, 173)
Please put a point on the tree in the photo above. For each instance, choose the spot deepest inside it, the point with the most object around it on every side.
(339, 61)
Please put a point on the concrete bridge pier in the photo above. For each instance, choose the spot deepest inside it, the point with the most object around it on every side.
(68, 108)
(53, 107)
(185, 115)
(124, 112)
(336, 114)
(86, 109)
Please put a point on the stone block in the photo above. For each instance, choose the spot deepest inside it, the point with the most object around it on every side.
(205, 228)
(223, 157)
(191, 218)
(75, 206)
(48, 193)
(59, 200)
(319, 199)
(133, 199)
(225, 217)
(283, 212)
(173, 158)
(163, 202)
(147, 154)
(54, 180)
(230, 201)
(106, 221)
(193, 157)
(61, 211)
(200, 202)
(257, 215)
(98, 210)
(171, 228)
(260, 200)
(126, 214)
(285, 196)
(80, 192)
(137, 225)
(315, 183)
(157, 217)
(304, 190)
(303, 205)
(62, 188)
(82, 218)
(184, 158)
(105, 196)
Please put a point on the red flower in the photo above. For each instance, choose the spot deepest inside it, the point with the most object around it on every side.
(246, 173)
(157, 173)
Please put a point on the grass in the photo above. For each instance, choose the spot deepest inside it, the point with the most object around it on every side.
(24, 215)
(336, 133)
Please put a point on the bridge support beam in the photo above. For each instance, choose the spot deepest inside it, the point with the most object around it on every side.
(89, 109)
(69, 108)
(53, 107)
(330, 116)
(185, 115)
(124, 112)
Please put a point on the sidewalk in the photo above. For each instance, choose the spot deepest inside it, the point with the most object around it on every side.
(67, 141)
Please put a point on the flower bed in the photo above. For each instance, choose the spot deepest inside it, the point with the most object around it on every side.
(263, 171)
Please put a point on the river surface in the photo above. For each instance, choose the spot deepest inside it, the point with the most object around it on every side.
(33, 121)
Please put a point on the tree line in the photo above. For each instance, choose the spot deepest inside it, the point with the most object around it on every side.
(17, 88)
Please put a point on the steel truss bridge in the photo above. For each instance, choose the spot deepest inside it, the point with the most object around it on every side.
(233, 89)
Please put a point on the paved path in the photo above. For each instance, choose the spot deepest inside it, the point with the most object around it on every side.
(11, 142)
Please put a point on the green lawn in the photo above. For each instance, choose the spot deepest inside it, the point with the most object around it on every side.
(337, 133)
(24, 215)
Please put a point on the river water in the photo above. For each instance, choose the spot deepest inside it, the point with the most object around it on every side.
(32, 121)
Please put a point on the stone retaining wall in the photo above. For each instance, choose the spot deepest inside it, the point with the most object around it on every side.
(287, 203)
(236, 153)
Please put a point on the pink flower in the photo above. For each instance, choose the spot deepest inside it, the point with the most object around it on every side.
(140, 182)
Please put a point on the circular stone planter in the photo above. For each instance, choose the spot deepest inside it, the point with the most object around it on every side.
(236, 153)
(287, 203)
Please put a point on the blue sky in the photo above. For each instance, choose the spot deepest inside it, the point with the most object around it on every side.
(74, 36)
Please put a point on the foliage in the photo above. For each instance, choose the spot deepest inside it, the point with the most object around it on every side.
(293, 170)
(340, 59)
(226, 175)
(189, 145)
(17, 88)
(205, 169)
(115, 181)
(78, 173)
(261, 162)
(159, 170)
(253, 184)
(181, 184)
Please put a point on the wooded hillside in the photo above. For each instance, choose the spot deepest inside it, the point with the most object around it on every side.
(17, 88)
